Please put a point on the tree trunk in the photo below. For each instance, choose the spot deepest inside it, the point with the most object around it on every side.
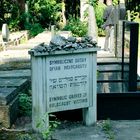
(21, 4)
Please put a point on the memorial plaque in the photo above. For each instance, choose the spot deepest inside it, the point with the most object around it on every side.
(64, 78)
(68, 82)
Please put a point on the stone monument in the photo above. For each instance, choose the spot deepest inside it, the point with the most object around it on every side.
(92, 27)
(5, 33)
(64, 78)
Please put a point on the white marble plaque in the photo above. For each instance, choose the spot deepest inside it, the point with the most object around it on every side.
(68, 82)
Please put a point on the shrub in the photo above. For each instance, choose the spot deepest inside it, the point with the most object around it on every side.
(25, 104)
(9, 14)
(35, 29)
(45, 12)
(99, 9)
(77, 27)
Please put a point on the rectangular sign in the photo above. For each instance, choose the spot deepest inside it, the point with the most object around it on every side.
(68, 82)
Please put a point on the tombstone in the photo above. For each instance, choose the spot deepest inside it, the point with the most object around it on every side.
(92, 27)
(52, 30)
(64, 78)
(5, 33)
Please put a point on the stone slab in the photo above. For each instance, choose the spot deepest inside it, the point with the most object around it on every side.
(8, 113)
(16, 82)
(17, 65)
(15, 73)
(126, 129)
(109, 67)
(9, 88)
(80, 133)
(5, 95)
(107, 87)
(109, 76)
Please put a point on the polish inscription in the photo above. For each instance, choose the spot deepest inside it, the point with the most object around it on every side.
(67, 82)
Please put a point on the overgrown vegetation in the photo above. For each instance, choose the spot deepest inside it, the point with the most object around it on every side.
(107, 128)
(9, 13)
(41, 14)
(99, 9)
(34, 29)
(25, 104)
(77, 27)
(53, 124)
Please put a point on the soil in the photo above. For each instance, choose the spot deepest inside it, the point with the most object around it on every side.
(22, 129)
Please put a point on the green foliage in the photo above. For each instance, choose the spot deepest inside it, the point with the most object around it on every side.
(99, 9)
(34, 29)
(77, 27)
(107, 128)
(25, 104)
(101, 32)
(25, 137)
(14, 25)
(41, 13)
(135, 16)
(45, 12)
(46, 133)
(94, 3)
(115, 2)
(9, 13)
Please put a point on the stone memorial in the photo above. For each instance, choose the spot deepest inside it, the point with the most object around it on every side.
(64, 77)
(5, 33)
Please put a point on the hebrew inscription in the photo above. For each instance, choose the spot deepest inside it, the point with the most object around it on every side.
(67, 82)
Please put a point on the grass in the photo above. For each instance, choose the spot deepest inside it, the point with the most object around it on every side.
(107, 128)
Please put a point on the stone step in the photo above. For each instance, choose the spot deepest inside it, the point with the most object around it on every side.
(115, 67)
(15, 65)
(12, 82)
(6, 94)
(15, 74)
(109, 76)
(9, 88)
(115, 87)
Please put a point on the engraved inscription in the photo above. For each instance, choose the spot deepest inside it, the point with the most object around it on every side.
(68, 82)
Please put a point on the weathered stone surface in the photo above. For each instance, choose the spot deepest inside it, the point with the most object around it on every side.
(6, 95)
(5, 33)
(10, 88)
(15, 74)
(16, 82)
(59, 43)
(9, 99)
(8, 113)
(108, 87)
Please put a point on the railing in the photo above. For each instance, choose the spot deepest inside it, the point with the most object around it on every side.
(130, 51)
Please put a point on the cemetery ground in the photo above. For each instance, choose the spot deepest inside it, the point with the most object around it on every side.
(15, 62)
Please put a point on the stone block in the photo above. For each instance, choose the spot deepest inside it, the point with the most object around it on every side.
(6, 95)
(8, 113)
(14, 82)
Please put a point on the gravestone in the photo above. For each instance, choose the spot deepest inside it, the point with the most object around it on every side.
(5, 33)
(64, 78)
(92, 27)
